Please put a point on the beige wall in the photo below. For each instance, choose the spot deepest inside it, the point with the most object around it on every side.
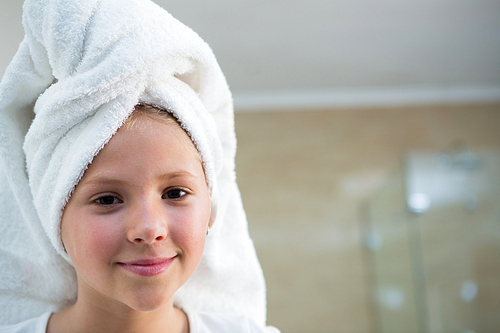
(304, 178)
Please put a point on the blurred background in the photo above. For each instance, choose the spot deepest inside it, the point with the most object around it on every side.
(368, 155)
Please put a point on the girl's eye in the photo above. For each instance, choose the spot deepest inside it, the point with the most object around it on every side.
(174, 194)
(107, 200)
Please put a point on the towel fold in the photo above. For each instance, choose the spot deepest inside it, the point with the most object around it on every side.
(79, 71)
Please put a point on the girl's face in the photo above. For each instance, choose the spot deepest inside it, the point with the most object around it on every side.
(135, 225)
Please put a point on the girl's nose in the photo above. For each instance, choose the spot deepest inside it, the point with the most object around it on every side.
(147, 224)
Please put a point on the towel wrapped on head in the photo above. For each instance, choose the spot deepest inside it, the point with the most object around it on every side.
(78, 73)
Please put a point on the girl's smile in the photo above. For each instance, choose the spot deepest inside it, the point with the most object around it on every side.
(147, 267)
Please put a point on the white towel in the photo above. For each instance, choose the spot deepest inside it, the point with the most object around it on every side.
(78, 73)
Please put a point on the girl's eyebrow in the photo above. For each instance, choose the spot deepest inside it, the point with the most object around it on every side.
(177, 174)
(113, 180)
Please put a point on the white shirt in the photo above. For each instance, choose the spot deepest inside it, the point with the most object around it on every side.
(199, 322)
(33, 325)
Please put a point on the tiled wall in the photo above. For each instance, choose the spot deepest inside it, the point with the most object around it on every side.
(306, 177)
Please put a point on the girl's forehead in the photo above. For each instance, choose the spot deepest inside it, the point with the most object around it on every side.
(146, 115)
(149, 147)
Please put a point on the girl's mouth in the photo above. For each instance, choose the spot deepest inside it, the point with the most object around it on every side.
(147, 267)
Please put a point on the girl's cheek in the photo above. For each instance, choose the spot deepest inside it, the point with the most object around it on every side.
(102, 235)
(192, 223)
(190, 229)
(89, 238)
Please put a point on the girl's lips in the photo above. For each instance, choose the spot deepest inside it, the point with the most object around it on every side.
(147, 267)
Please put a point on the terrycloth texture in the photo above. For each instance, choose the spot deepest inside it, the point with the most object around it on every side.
(79, 72)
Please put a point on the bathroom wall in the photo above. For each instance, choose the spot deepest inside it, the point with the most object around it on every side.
(307, 180)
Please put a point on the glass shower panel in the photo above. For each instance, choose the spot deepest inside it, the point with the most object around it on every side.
(389, 260)
(433, 244)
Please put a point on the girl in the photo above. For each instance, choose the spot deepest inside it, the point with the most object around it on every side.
(107, 201)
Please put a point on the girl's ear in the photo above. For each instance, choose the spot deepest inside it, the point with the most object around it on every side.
(210, 220)
(63, 246)
(213, 214)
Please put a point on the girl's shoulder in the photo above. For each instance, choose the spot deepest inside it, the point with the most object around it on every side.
(33, 325)
(204, 322)
(199, 322)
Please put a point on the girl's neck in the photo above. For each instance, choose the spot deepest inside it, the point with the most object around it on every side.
(87, 317)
